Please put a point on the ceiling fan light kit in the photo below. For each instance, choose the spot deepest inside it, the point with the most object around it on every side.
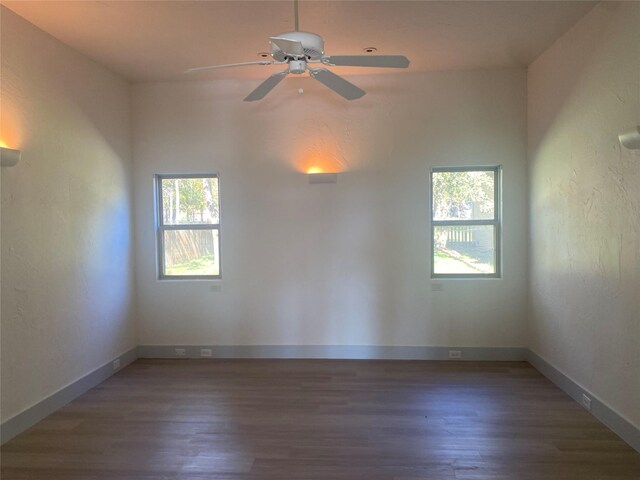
(298, 49)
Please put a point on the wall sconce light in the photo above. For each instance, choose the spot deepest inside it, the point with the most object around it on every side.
(322, 178)
(9, 157)
(631, 138)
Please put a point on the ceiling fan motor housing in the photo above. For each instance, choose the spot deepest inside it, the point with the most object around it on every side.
(313, 46)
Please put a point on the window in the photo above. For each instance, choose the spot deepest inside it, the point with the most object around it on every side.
(188, 226)
(465, 222)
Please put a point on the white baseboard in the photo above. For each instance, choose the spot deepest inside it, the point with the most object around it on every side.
(353, 352)
(32, 415)
(603, 412)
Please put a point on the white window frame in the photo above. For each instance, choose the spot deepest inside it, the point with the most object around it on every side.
(161, 227)
(496, 221)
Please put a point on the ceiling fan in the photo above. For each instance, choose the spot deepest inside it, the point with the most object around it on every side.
(297, 50)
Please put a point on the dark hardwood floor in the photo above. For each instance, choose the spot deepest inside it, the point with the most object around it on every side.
(321, 419)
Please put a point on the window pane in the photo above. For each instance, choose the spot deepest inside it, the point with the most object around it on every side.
(463, 195)
(191, 252)
(464, 249)
(190, 201)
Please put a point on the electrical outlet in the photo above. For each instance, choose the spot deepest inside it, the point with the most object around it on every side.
(116, 364)
(586, 402)
(205, 352)
(180, 352)
(455, 354)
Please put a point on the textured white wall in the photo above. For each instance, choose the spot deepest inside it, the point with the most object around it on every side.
(332, 264)
(67, 282)
(585, 206)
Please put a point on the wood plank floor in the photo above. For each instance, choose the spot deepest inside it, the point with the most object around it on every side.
(321, 419)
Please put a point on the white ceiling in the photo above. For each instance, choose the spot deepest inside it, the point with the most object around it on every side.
(158, 40)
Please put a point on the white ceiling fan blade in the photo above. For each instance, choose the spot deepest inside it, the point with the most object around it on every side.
(338, 84)
(384, 61)
(289, 47)
(243, 64)
(266, 86)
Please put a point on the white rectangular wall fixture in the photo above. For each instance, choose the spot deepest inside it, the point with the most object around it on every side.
(9, 157)
(323, 178)
(631, 138)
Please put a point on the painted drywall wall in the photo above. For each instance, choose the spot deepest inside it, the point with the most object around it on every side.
(67, 263)
(338, 264)
(585, 206)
